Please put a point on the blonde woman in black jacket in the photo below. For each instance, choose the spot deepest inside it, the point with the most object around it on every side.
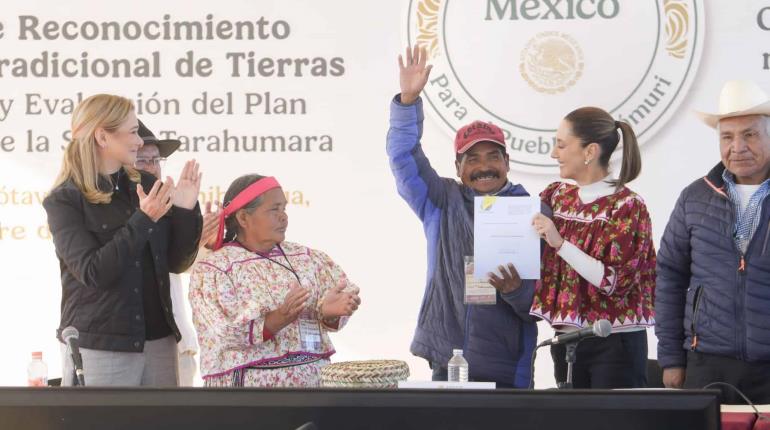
(118, 232)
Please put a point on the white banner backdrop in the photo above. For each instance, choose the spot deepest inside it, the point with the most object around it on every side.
(301, 89)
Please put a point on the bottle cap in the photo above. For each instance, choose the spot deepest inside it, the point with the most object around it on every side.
(37, 355)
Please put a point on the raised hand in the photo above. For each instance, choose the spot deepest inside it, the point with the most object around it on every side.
(158, 201)
(210, 227)
(293, 304)
(413, 74)
(338, 302)
(189, 185)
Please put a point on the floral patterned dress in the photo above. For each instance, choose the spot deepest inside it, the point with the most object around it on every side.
(231, 292)
(615, 230)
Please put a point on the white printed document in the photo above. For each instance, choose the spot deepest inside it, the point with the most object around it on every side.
(503, 233)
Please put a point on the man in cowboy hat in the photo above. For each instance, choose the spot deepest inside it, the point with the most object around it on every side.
(713, 276)
(150, 158)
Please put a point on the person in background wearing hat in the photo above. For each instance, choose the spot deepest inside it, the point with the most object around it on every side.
(713, 285)
(599, 262)
(118, 232)
(150, 158)
(497, 340)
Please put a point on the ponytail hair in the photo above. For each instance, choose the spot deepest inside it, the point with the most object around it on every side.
(595, 125)
(631, 164)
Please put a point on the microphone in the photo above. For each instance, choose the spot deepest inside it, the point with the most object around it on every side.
(601, 328)
(70, 336)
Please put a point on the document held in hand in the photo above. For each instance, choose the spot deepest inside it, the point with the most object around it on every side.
(503, 233)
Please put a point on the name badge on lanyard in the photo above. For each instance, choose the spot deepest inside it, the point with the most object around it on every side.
(309, 327)
(477, 291)
(309, 332)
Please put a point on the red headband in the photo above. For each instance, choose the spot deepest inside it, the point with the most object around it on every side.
(242, 199)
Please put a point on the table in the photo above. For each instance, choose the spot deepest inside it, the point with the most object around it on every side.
(206, 408)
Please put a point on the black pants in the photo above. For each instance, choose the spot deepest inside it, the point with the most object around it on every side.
(753, 379)
(617, 361)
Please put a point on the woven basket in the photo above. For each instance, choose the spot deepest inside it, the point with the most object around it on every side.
(365, 374)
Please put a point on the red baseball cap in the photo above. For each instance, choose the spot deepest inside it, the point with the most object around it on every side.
(478, 131)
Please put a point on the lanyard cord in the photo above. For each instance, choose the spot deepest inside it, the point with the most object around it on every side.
(288, 266)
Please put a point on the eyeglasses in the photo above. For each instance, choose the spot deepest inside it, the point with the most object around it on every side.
(141, 163)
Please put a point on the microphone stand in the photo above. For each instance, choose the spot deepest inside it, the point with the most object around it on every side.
(570, 358)
(78, 378)
(77, 374)
(75, 378)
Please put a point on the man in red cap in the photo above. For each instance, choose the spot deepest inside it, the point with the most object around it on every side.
(497, 340)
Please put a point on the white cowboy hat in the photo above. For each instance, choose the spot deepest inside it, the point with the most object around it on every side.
(738, 98)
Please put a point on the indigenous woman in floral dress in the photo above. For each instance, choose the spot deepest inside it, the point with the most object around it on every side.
(263, 307)
(599, 261)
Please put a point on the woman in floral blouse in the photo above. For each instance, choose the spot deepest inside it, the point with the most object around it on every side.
(263, 307)
(599, 262)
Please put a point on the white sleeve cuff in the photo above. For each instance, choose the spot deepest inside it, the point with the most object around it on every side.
(591, 269)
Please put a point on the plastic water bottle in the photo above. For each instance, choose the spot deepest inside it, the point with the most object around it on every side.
(457, 368)
(37, 371)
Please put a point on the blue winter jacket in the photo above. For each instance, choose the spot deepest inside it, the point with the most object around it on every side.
(709, 297)
(498, 340)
